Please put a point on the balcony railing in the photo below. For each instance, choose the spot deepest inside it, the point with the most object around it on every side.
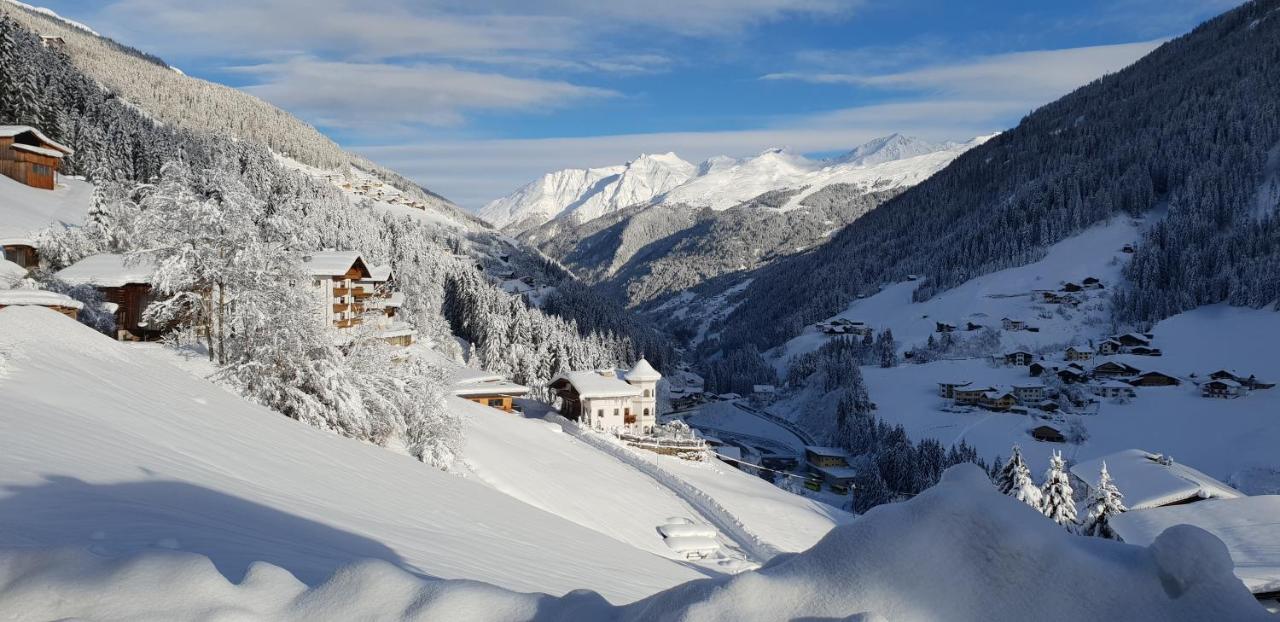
(341, 308)
(348, 323)
(339, 292)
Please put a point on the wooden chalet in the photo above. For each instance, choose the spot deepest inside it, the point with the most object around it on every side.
(382, 304)
(335, 277)
(487, 389)
(1078, 354)
(970, 326)
(1037, 369)
(943, 327)
(1155, 379)
(1091, 282)
(1112, 389)
(1072, 287)
(1145, 351)
(1113, 369)
(1072, 374)
(40, 298)
(999, 400)
(1048, 434)
(1128, 249)
(125, 283)
(1249, 382)
(1130, 340)
(971, 396)
(1222, 388)
(30, 157)
(1019, 357)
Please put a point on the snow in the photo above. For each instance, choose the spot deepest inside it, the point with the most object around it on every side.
(584, 194)
(1217, 437)
(642, 371)
(1146, 483)
(25, 211)
(599, 384)
(489, 387)
(59, 150)
(50, 13)
(107, 270)
(145, 453)
(330, 263)
(53, 153)
(1247, 525)
(10, 273)
(675, 530)
(37, 297)
(988, 557)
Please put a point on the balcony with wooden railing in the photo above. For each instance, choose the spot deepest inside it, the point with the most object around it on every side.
(339, 292)
(348, 323)
(341, 307)
(361, 293)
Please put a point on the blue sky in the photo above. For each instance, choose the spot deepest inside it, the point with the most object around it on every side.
(474, 98)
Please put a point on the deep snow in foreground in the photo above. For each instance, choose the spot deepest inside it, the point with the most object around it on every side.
(105, 450)
(959, 551)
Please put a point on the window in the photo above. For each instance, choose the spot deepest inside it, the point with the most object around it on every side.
(648, 392)
(646, 412)
(495, 402)
(600, 413)
(41, 169)
(615, 412)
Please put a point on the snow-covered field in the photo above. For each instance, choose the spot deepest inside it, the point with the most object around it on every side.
(987, 557)
(106, 450)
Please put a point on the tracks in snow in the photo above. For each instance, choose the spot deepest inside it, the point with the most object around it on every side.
(715, 514)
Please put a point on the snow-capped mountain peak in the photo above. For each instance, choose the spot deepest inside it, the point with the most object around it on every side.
(887, 148)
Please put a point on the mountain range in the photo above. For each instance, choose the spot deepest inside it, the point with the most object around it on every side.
(578, 195)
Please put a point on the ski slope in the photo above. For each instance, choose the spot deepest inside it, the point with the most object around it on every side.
(105, 450)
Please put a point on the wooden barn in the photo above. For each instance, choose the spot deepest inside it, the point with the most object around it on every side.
(1048, 434)
(30, 157)
(125, 284)
(1155, 379)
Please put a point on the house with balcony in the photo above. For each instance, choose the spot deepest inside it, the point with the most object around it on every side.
(335, 282)
(610, 400)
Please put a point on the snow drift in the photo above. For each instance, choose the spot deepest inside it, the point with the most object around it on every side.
(960, 551)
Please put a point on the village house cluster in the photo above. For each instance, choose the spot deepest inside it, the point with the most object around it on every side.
(376, 190)
(842, 326)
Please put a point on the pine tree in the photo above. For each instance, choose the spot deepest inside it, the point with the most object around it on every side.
(1105, 501)
(1057, 503)
(1005, 479)
(1024, 487)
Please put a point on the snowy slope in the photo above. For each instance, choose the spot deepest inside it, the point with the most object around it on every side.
(25, 211)
(584, 194)
(1219, 437)
(143, 456)
(537, 462)
(986, 557)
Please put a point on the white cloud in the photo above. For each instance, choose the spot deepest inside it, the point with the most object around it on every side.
(389, 98)
(1020, 74)
(954, 101)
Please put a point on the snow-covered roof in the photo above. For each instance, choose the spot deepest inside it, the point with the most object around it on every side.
(955, 383)
(379, 274)
(108, 270)
(833, 452)
(10, 273)
(1230, 383)
(489, 387)
(397, 329)
(461, 375)
(1247, 525)
(396, 299)
(10, 131)
(642, 372)
(331, 263)
(37, 297)
(591, 384)
(1145, 483)
(1112, 384)
(838, 472)
(1030, 385)
(52, 153)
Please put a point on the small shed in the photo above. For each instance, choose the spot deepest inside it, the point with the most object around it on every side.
(30, 157)
(1048, 434)
(1155, 379)
(124, 282)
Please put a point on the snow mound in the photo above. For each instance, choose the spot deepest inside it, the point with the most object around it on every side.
(959, 551)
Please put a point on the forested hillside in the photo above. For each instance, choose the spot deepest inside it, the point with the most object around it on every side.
(214, 210)
(1190, 132)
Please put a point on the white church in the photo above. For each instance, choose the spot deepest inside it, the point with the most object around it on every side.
(609, 399)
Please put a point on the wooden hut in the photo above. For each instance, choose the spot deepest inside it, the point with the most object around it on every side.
(40, 298)
(30, 157)
(126, 286)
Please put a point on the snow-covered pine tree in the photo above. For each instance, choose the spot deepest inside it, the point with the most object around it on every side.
(1024, 488)
(1057, 503)
(1105, 501)
(1007, 477)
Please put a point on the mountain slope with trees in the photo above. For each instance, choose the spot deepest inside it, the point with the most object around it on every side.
(1190, 132)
